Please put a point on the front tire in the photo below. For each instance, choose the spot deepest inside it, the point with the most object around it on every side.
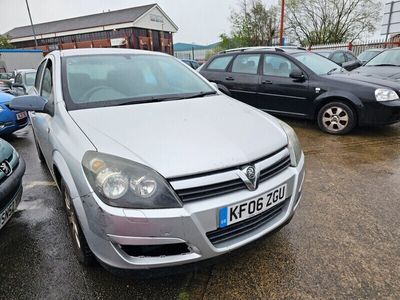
(81, 248)
(336, 118)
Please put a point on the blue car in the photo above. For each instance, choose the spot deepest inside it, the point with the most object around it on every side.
(10, 120)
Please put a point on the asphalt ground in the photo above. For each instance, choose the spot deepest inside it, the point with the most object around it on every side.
(343, 243)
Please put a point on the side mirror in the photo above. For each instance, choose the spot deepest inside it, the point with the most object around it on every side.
(297, 75)
(31, 103)
(351, 65)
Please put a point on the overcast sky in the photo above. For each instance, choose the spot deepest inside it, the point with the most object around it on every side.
(199, 21)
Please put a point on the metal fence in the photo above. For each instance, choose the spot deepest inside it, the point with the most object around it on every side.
(358, 47)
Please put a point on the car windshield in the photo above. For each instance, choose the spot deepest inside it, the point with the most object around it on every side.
(386, 58)
(119, 79)
(367, 55)
(317, 63)
(326, 54)
(30, 78)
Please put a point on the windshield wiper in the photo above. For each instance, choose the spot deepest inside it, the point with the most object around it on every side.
(201, 94)
(168, 98)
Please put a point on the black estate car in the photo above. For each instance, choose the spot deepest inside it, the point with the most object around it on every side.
(12, 168)
(299, 83)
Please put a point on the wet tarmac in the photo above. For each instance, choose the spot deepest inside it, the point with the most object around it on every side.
(343, 243)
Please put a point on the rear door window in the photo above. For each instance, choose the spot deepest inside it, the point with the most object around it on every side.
(246, 63)
(276, 65)
(220, 63)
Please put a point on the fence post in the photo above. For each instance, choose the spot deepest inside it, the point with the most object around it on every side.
(350, 46)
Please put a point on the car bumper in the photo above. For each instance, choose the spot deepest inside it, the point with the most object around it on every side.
(380, 113)
(114, 234)
(8, 127)
(11, 193)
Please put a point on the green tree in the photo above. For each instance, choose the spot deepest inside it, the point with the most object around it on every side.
(4, 43)
(253, 24)
(313, 22)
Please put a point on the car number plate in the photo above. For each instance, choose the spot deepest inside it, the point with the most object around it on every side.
(22, 115)
(235, 213)
(6, 214)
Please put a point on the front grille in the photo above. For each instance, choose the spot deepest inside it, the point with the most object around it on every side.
(233, 231)
(155, 250)
(22, 121)
(226, 187)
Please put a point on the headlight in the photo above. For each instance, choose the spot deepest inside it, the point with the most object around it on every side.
(293, 144)
(1, 108)
(122, 183)
(386, 95)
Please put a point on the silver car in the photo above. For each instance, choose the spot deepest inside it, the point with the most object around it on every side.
(156, 166)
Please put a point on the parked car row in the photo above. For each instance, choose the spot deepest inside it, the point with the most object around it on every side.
(299, 83)
(185, 174)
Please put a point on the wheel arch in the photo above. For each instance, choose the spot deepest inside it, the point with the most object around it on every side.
(353, 102)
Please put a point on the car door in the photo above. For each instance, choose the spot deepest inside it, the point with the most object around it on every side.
(215, 70)
(242, 78)
(278, 92)
(42, 121)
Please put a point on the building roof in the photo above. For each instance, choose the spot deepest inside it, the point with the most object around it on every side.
(189, 47)
(101, 19)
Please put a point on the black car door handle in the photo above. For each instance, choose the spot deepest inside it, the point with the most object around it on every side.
(230, 78)
(266, 82)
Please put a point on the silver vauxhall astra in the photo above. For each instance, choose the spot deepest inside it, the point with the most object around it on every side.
(157, 167)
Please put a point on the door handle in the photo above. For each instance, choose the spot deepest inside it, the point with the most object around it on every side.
(266, 82)
(230, 78)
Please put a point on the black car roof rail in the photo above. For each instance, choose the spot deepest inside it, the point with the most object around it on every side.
(261, 48)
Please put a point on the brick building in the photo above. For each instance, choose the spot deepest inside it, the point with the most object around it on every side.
(145, 27)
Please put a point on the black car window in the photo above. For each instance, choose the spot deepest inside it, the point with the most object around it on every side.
(195, 65)
(349, 56)
(18, 79)
(39, 75)
(47, 83)
(220, 63)
(246, 63)
(276, 65)
(338, 57)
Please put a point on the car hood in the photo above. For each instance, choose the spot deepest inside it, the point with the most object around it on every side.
(380, 71)
(365, 80)
(184, 137)
(5, 98)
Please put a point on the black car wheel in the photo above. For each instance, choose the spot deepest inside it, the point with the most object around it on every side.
(336, 118)
(79, 243)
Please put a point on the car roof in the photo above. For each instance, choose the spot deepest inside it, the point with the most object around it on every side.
(99, 51)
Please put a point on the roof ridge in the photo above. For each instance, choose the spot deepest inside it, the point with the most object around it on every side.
(83, 16)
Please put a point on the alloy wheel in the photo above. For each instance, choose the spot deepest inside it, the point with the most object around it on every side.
(335, 119)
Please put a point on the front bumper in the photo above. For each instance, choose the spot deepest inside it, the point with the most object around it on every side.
(380, 113)
(9, 122)
(114, 234)
(11, 193)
